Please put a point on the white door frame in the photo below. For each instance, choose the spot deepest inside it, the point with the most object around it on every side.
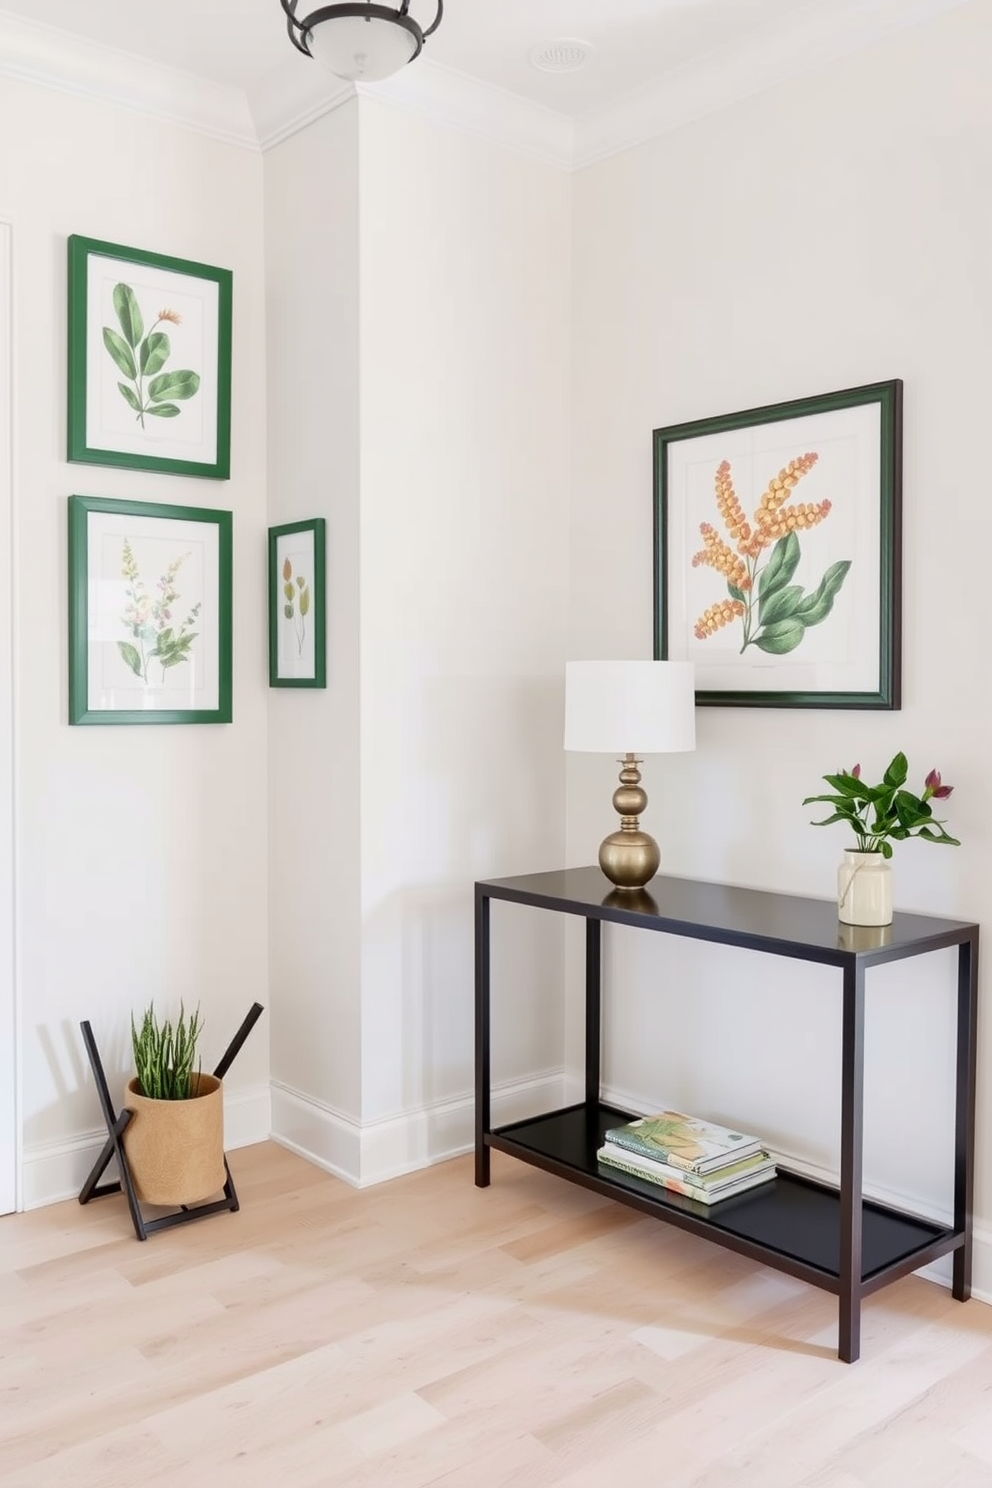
(10, 1114)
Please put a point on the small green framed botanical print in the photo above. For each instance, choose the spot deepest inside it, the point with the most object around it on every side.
(297, 604)
(149, 361)
(149, 612)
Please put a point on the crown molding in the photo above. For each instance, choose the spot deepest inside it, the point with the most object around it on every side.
(481, 109)
(34, 53)
(292, 96)
(813, 39)
(296, 92)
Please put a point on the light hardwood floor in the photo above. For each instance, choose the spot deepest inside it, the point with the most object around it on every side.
(425, 1332)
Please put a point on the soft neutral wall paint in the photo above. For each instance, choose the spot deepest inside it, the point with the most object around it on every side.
(829, 233)
(311, 207)
(465, 274)
(9, 1120)
(141, 850)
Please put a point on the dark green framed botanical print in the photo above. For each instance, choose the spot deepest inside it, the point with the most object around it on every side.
(777, 551)
(149, 360)
(149, 612)
(297, 604)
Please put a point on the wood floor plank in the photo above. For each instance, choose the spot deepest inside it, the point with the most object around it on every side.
(428, 1334)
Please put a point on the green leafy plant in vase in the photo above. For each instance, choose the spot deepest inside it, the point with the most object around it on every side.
(878, 816)
(175, 1139)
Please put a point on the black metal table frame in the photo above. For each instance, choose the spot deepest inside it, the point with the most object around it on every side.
(548, 891)
(117, 1122)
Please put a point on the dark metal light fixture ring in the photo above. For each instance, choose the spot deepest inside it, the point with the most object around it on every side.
(299, 30)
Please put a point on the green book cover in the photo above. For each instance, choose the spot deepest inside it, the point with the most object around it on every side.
(684, 1141)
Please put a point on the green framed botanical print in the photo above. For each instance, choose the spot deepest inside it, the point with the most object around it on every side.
(297, 604)
(149, 361)
(149, 612)
(777, 551)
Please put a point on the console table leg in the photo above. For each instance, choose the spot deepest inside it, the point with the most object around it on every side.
(593, 1010)
(964, 1115)
(482, 1048)
(851, 1148)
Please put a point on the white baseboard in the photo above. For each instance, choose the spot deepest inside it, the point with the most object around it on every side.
(447, 1128)
(325, 1137)
(380, 1150)
(55, 1171)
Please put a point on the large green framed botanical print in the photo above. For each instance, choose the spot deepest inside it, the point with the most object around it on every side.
(777, 551)
(149, 612)
(149, 361)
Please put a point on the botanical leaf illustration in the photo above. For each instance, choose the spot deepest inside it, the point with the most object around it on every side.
(128, 313)
(149, 620)
(120, 351)
(783, 636)
(775, 613)
(130, 655)
(782, 604)
(173, 385)
(297, 605)
(155, 352)
(179, 654)
(817, 606)
(139, 357)
(781, 565)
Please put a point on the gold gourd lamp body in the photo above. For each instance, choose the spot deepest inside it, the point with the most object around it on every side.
(629, 857)
(610, 705)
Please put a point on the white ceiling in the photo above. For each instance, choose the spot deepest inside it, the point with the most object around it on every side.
(237, 42)
(228, 69)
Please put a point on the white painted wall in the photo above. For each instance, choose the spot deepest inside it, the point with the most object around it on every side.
(9, 1118)
(413, 354)
(311, 219)
(831, 232)
(141, 850)
(465, 277)
(419, 304)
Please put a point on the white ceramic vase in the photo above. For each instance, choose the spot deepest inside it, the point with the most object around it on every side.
(864, 889)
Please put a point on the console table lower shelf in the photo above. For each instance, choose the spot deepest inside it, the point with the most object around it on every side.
(791, 1223)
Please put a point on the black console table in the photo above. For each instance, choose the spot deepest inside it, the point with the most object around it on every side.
(833, 1238)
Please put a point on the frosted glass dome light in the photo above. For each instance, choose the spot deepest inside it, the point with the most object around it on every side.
(362, 43)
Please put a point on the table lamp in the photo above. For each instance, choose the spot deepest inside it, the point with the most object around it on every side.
(630, 708)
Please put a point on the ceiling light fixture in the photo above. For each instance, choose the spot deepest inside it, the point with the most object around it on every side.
(363, 43)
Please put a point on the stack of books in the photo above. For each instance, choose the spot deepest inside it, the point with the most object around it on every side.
(696, 1158)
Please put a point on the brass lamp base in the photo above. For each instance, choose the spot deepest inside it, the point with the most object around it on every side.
(629, 858)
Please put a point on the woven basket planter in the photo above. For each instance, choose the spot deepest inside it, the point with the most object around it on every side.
(175, 1148)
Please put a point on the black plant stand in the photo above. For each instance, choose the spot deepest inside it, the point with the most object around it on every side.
(114, 1147)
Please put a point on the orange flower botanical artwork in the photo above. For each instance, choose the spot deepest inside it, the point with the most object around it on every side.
(758, 557)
